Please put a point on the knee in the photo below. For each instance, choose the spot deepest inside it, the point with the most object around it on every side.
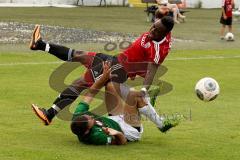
(79, 55)
(141, 102)
(133, 94)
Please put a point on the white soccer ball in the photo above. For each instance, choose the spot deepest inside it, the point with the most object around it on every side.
(229, 36)
(207, 89)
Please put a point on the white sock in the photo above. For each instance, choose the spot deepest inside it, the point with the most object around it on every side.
(151, 114)
(47, 47)
(56, 108)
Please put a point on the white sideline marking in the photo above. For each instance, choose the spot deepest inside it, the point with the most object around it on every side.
(168, 59)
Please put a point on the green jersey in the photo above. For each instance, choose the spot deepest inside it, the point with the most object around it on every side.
(96, 135)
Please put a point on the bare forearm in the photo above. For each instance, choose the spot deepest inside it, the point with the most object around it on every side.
(92, 91)
(152, 69)
(223, 11)
(120, 139)
(148, 81)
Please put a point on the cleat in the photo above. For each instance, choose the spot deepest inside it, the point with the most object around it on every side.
(42, 114)
(36, 36)
(170, 122)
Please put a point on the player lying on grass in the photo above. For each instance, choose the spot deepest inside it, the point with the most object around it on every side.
(142, 58)
(118, 129)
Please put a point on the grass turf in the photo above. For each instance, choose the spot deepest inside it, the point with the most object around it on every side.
(213, 132)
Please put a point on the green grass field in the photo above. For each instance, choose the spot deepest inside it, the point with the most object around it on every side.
(212, 134)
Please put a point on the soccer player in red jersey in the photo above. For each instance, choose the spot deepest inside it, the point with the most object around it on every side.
(226, 18)
(142, 58)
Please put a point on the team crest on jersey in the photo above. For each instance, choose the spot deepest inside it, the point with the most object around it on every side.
(143, 44)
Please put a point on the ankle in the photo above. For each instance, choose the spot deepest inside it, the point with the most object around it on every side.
(41, 45)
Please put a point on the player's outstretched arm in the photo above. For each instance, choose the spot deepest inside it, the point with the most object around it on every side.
(152, 69)
(94, 89)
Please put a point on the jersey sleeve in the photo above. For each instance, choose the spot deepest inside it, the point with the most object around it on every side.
(82, 108)
(100, 138)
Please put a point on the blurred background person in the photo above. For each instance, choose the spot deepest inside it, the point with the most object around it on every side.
(226, 18)
(173, 8)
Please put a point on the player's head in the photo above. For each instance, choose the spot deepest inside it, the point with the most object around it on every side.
(81, 125)
(161, 28)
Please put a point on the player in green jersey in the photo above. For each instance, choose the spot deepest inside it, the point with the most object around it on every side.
(117, 129)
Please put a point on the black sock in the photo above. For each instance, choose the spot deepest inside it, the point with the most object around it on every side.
(51, 113)
(41, 45)
(68, 96)
(61, 52)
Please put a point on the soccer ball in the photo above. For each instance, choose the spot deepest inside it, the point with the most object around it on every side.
(229, 36)
(207, 89)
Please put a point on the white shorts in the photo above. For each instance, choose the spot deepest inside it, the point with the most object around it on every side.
(131, 133)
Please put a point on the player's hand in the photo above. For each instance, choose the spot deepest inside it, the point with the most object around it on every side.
(112, 132)
(107, 72)
(105, 130)
(224, 17)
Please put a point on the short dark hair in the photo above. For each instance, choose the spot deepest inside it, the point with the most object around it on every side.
(79, 125)
(168, 22)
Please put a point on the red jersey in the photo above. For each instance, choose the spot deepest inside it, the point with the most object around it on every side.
(228, 6)
(143, 51)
